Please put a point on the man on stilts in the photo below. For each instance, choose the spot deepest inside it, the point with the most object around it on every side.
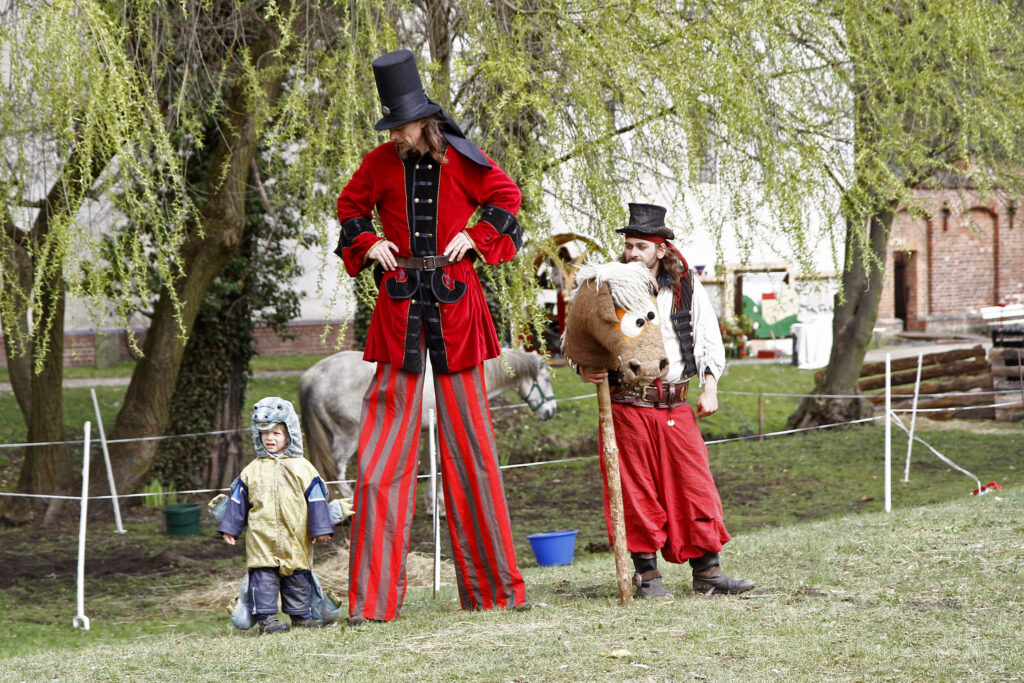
(426, 183)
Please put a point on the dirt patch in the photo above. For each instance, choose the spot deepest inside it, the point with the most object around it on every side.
(31, 552)
(597, 592)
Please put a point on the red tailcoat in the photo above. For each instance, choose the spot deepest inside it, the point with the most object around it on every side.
(465, 336)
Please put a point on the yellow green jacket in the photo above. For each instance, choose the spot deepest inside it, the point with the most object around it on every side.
(280, 498)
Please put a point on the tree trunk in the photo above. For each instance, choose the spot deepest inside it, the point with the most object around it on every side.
(147, 403)
(439, 40)
(47, 468)
(856, 310)
(227, 459)
(19, 365)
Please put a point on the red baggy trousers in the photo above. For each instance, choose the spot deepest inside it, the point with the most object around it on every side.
(669, 497)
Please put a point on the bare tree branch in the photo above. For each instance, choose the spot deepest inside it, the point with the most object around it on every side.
(264, 200)
(618, 131)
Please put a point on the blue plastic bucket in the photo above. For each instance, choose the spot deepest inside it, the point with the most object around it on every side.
(553, 547)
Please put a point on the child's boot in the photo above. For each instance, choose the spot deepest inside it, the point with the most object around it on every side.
(272, 625)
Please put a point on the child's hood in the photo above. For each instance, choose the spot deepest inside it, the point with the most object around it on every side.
(274, 409)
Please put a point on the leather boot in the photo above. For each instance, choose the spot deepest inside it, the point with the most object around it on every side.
(647, 578)
(709, 578)
(652, 587)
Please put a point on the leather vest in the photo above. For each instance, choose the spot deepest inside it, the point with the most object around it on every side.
(682, 322)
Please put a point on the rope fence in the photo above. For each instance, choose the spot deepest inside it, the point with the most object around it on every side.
(713, 442)
(890, 415)
(760, 436)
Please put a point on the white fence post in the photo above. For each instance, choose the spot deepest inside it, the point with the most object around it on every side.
(913, 419)
(437, 514)
(106, 461)
(81, 621)
(888, 432)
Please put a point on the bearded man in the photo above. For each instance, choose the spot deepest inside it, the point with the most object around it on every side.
(670, 501)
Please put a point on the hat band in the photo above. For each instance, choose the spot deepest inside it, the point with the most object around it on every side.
(657, 239)
(404, 105)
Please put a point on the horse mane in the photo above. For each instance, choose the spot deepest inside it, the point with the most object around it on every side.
(630, 284)
(523, 363)
(520, 362)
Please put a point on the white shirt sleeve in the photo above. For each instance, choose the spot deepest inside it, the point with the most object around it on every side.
(708, 349)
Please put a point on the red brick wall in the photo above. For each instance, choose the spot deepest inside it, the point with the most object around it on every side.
(80, 346)
(965, 257)
(306, 341)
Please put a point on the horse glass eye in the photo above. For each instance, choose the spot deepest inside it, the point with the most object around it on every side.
(652, 315)
(632, 324)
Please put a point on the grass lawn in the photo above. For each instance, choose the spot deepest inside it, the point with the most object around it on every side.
(925, 593)
(845, 591)
(818, 474)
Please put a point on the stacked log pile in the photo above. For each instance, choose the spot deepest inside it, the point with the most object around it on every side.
(948, 372)
(1007, 375)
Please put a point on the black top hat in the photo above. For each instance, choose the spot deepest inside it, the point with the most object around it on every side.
(402, 98)
(647, 220)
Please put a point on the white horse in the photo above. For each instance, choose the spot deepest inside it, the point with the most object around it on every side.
(331, 399)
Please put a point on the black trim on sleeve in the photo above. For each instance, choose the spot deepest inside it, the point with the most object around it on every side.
(351, 229)
(504, 222)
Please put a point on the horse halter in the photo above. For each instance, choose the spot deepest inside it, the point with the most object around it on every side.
(536, 403)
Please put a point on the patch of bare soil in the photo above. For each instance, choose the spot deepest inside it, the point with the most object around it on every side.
(31, 552)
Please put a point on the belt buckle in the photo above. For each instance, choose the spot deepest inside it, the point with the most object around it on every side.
(430, 262)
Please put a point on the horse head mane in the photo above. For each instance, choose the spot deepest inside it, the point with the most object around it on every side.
(630, 284)
(521, 363)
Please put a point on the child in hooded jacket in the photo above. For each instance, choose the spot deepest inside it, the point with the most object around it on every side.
(283, 501)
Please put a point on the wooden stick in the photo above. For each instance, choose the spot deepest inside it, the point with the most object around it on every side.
(611, 469)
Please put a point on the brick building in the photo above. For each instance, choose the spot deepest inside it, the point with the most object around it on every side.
(966, 251)
(86, 347)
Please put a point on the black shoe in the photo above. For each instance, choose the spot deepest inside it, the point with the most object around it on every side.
(272, 625)
(307, 622)
(524, 606)
(357, 620)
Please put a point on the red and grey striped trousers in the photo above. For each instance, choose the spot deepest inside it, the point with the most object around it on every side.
(477, 513)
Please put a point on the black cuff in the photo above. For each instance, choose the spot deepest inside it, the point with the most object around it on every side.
(504, 222)
(351, 229)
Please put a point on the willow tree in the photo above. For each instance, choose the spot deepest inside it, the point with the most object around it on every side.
(76, 120)
(820, 118)
(934, 91)
(111, 100)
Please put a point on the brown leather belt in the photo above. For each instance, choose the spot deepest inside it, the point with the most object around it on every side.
(647, 396)
(422, 263)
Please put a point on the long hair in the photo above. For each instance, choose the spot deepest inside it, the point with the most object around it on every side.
(436, 144)
(670, 271)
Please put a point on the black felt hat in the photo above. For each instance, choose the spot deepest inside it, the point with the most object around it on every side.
(402, 98)
(647, 220)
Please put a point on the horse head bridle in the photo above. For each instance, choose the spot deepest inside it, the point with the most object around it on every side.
(542, 398)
